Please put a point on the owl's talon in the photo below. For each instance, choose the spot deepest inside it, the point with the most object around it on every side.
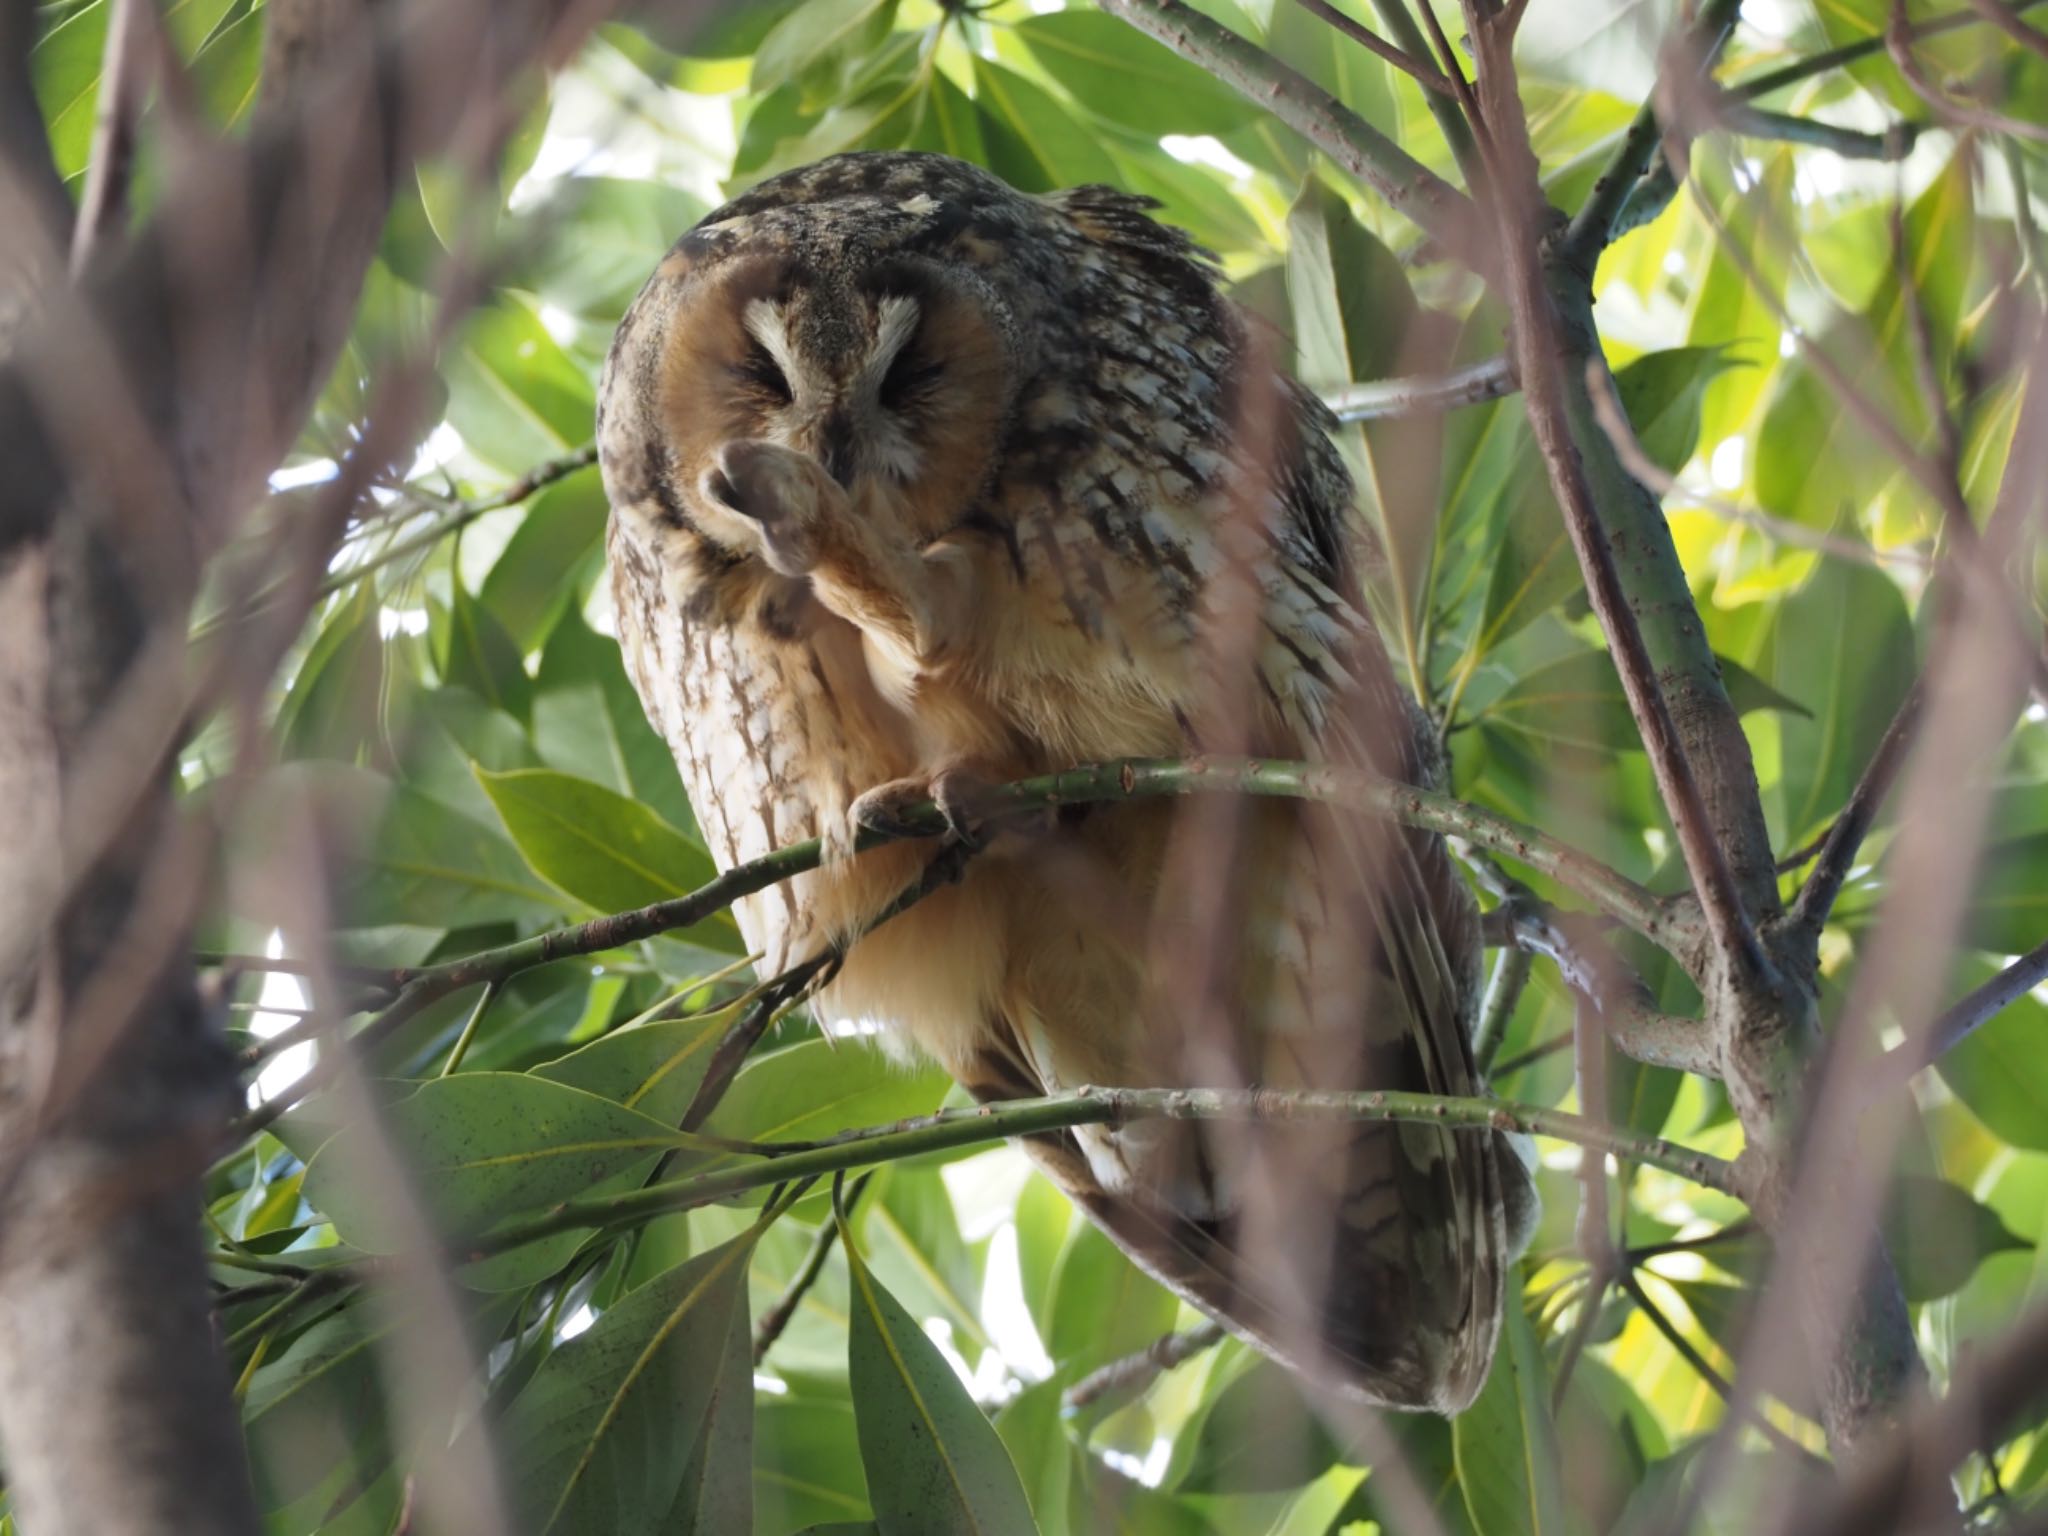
(962, 800)
(778, 490)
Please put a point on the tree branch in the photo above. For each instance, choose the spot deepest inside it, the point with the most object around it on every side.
(1978, 1007)
(1594, 224)
(1836, 58)
(1560, 416)
(1469, 385)
(1838, 849)
(1443, 213)
(952, 1128)
(1127, 1377)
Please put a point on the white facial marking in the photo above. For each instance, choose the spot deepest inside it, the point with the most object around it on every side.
(765, 323)
(922, 204)
(895, 323)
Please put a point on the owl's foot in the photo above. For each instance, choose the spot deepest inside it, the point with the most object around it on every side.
(963, 799)
(786, 495)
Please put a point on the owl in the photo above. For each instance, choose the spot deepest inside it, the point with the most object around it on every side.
(919, 483)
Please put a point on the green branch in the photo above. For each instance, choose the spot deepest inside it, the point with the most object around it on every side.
(1594, 224)
(954, 1128)
(1667, 924)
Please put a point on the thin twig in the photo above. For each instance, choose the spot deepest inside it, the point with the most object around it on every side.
(777, 1317)
(1470, 385)
(1705, 1371)
(1416, 69)
(1898, 41)
(1978, 1007)
(1442, 212)
(1849, 53)
(1628, 448)
(1497, 1008)
(1592, 227)
(1127, 1377)
(1844, 838)
(111, 167)
(1659, 921)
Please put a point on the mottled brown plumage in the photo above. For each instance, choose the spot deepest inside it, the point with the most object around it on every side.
(917, 480)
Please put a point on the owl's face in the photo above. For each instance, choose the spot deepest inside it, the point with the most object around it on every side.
(889, 374)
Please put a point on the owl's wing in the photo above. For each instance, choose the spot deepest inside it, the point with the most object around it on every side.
(1371, 1254)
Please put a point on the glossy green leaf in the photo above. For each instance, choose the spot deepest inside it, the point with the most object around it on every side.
(935, 1465)
(1505, 1444)
(652, 1069)
(717, 1493)
(1034, 142)
(483, 658)
(482, 1146)
(1937, 1235)
(514, 394)
(1843, 647)
(1103, 1305)
(594, 1443)
(608, 852)
(1118, 73)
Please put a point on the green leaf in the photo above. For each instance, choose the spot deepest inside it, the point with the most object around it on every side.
(1103, 1305)
(592, 1440)
(514, 394)
(1536, 567)
(820, 1088)
(1351, 300)
(806, 1462)
(1034, 143)
(813, 34)
(717, 1493)
(608, 852)
(653, 1069)
(1662, 393)
(1578, 700)
(1842, 646)
(337, 695)
(946, 122)
(2000, 1070)
(1118, 73)
(637, 762)
(1259, 1436)
(1505, 1444)
(484, 1146)
(596, 237)
(913, 1243)
(546, 564)
(432, 867)
(318, 1406)
(1938, 1235)
(2009, 898)
(483, 658)
(935, 1465)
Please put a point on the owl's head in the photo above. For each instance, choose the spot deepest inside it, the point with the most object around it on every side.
(889, 368)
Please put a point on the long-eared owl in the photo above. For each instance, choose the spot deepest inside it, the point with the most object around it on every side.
(918, 483)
